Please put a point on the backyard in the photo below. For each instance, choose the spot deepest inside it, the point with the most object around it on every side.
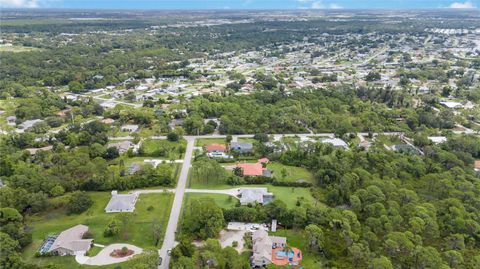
(163, 149)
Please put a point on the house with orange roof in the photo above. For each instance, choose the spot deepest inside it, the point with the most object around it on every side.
(272, 249)
(476, 166)
(255, 169)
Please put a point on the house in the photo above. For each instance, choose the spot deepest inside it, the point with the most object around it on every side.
(28, 124)
(365, 144)
(34, 151)
(450, 104)
(11, 120)
(108, 104)
(121, 202)
(266, 248)
(406, 148)
(107, 121)
(71, 242)
(437, 139)
(254, 169)
(476, 166)
(241, 146)
(129, 128)
(122, 146)
(336, 142)
(215, 148)
(175, 122)
(133, 168)
(255, 195)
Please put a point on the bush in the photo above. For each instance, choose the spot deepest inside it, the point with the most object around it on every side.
(173, 137)
(235, 244)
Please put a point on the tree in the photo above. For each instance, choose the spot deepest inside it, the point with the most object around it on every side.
(172, 136)
(113, 228)
(156, 231)
(315, 236)
(205, 218)
(75, 86)
(381, 263)
(111, 153)
(79, 202)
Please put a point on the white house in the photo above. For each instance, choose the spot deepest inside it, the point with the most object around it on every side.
(121, 202)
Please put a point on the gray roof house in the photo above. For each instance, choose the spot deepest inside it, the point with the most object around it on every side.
(262, 247)
(130, 128)
(121, 202)
(255, 195)
(241, 146)
(336, 142)
(28, 124)
(71, 242)
(122, 146)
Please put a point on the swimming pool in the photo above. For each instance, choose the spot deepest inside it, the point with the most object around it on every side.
(282, 254)
(47, 244)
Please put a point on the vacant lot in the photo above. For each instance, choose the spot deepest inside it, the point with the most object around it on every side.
(163, 149)
(149, 208)
(205, 141)
(289, 173)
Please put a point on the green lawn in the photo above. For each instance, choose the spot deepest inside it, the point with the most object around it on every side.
(205, 141)
(16, 48)
(138, 232)
(293, 173)
(163, 149)
(289, 195)
(298, 239)
(222, 200)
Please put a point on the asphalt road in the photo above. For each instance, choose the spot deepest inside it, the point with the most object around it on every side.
(169, 240)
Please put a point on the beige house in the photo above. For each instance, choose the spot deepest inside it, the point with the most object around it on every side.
(263, 246)
(71, 242)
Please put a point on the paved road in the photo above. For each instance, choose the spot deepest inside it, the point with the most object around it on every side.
(169, 240)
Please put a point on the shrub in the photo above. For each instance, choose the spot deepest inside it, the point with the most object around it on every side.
(79, 202)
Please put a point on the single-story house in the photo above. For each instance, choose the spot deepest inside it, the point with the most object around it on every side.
(133, 168)
(130, 128)
(11, 120)
(437, 139)
(476, 166)
(71, 242)
(121, 202)
(336, 142)
(406, 148)
(450, 104)
(108, 121)
(29, 124)
(122, 146)
(255, 195)
(254, 169)
(241, 146)
(215, 148)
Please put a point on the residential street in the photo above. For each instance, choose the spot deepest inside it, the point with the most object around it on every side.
(169, 241)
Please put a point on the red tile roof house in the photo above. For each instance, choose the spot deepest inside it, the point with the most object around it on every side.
(477, 165)
(255, 169)
(215, 148)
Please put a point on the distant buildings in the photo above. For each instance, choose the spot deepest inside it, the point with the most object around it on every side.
(121, 202)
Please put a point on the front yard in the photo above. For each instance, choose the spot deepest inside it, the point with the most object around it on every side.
(149, 208)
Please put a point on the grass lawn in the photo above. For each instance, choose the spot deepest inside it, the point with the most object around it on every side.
(138, 231)
(289, 195)
(16, 48)
(205, 141)
(298, 239)
(163, 148)
(222, 200)
(293, 173)
(246, 140)
(70, 263)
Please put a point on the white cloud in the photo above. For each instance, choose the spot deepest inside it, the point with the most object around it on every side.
(318, 4)
(20, 3)
(466, 4)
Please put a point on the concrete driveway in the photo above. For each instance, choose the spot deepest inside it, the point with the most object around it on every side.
(104, 258)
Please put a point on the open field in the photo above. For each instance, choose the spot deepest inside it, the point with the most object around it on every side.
(205, 141)
(15, 48)
(149, 207)
(163, 148)
(292, 173)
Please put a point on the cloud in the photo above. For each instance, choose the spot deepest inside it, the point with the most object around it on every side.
(318, 4)
(19, 3)
(466, 4)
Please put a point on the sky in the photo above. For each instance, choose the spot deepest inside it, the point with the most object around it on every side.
(241, 4)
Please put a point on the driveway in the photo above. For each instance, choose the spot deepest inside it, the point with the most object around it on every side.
(104, 258)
